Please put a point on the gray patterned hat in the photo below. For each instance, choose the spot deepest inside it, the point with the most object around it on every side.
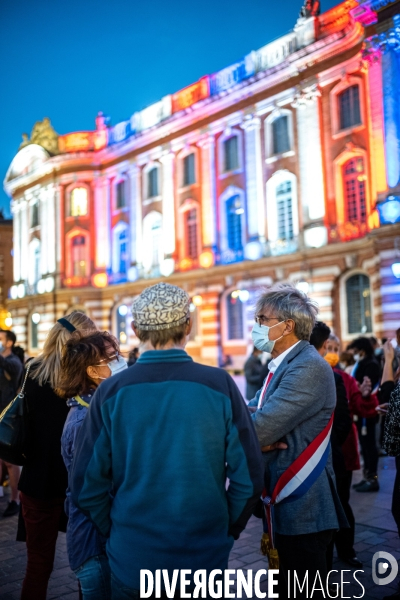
(161, 306)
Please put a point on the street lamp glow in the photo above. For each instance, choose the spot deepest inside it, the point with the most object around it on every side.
(303, 286)
(123, 310)
(396, 269)
(35, 318)
(197, 300)
(244, 295)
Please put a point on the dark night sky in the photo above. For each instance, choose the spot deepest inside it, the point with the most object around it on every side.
(68, 60)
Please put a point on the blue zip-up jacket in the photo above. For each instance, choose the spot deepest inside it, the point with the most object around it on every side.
(83, 539)
(167, 433)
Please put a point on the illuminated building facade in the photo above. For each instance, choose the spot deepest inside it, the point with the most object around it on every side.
(284, 165)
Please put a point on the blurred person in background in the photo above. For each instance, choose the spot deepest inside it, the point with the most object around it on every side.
(253, 369)
(367, 367)
(10, 379)
(133, 356)
(346, 361)
(87, 361)
(44, 479)
(389, 396)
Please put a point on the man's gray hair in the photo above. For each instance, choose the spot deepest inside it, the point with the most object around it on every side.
(334, 338)
(287, 302)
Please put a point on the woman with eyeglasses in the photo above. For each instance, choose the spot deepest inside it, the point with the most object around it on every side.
(86, 362)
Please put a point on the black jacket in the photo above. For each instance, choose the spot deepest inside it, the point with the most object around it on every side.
(368, 367)
(10, 377)
(252, 371)
(341, 426)
(44, 475)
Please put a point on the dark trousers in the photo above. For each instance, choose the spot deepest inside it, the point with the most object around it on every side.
(368, 445)
(396, 495)
(303, 554)
(42, 518)
(344, 538)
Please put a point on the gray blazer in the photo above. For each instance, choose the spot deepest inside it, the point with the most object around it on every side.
(300, 400)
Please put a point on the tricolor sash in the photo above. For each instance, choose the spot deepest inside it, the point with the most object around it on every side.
(300, 476)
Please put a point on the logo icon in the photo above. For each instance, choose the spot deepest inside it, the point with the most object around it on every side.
(383, 567)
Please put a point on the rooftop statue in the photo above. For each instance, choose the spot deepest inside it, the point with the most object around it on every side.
(310, 8)
(44, 135)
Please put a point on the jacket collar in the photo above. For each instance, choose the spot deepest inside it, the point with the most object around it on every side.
(299, 347)
(164, 356)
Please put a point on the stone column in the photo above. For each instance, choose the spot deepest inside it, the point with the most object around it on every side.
(135, 214)
(16, 210)
(168, 204)
(24, 240)
(310, 154)
(102, 220)
(51, 224)
(254, 180)
(208, 191)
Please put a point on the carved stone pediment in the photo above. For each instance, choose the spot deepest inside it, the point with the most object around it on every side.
(44, 135)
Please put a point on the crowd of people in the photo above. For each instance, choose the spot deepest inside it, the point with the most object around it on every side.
(160, 465)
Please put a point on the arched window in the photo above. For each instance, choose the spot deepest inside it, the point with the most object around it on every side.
(152, 183)
(234, 315)
(79, 256)
(120, 193)
(280, 135)
(152, 241)
(34, 330)
(121, 317)
(192, 250)
(123, 251)
(284, 210)
(231, 153)
(358, 298)
(349, 107)
(354, 180)
(79, 202)
(189, 171)
(120, 257)
(234, 212)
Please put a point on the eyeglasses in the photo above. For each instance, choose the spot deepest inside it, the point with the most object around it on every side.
(261, 320)
(109, 359)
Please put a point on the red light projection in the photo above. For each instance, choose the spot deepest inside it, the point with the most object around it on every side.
(79, 141)
(337, 18)
(191, 94)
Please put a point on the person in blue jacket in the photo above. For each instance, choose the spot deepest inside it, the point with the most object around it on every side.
(167, 434)
(87, 360)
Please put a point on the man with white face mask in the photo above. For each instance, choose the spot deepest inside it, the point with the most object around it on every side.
(295, 406)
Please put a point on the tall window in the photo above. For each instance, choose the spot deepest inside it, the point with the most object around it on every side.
(354, 182)
(189, 174)
(35, 214)
(191, 233)
(358, 296)
(123, 251)
(234, 212)
(34, 331)
(231, 153)
(280, 135)
(284, 210)
(79, 202)
(121, 322)
(79, 256)
(36, 263)
(152, 183)
(349, 107)
(234, 313)
(121, 194)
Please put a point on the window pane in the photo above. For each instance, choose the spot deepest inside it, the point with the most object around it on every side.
(79, 256)
(349, 107)
(121, 194)
(156, 241)
(358, 297)
(121, 325)
(189, 176)
(234, 223)
(235, 318)
(153, 183)
(34, 335)
(354, 179)
(191, 233)
(280, 135)
(35, 215)
(231, 153)
(285, 211)
(79, 203)
(123, 251)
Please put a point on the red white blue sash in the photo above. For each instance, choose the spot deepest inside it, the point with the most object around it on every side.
(300, 476)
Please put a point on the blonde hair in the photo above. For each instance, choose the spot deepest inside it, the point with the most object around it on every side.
(46, 367)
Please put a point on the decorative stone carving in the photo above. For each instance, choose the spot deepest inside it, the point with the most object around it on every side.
(44, 135)
(306, 96)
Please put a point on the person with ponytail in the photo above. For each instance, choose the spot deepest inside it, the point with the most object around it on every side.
(44, 479)
(87, 360)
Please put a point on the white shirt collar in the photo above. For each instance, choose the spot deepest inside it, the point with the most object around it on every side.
(274, 364)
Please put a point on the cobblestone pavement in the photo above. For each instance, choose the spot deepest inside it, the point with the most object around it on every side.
(375, 531)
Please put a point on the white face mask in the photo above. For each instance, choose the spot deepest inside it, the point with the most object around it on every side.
(116, 365)
(356, 357)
